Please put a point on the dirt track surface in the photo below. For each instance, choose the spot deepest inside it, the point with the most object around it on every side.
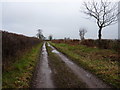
(43, 75)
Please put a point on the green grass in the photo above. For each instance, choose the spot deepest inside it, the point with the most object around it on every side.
(96, 60)
(20, 72)
(63, 77)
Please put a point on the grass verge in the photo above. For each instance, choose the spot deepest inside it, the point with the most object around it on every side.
(63, 77)
(19, 73)
(95, 60)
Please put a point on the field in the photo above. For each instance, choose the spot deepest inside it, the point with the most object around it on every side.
(102, 62)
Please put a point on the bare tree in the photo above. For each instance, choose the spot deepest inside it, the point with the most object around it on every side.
(82, 33)
(50, 37)
(104, 12)
(40, 35)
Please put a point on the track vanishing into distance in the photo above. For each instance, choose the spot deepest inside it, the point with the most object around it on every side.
(43, 74)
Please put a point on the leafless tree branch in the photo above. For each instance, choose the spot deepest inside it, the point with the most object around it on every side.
(105, 13)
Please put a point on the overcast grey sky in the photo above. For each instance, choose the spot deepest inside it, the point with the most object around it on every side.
(61, 19)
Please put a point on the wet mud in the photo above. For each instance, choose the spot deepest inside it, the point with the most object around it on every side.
(42, 77)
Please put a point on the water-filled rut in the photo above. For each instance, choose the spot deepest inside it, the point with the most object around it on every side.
(43, 72)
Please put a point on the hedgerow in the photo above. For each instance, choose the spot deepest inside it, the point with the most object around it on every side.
(14, 44)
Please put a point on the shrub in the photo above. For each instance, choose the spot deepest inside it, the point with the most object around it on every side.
(104, 44)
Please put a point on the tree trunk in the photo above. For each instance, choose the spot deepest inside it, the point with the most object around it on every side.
(99, 33)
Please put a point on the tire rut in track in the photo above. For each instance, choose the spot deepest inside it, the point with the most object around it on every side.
(42, 76)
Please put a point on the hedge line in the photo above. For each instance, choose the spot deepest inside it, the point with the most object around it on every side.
(104, 43)
(14, 44)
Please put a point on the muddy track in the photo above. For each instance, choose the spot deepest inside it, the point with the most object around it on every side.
(43, 74)
(89, 79)
(63, 76)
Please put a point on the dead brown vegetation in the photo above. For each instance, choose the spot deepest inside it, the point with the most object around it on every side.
(104, 43)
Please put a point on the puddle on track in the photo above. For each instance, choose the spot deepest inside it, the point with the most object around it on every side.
(91, 80)
(43, 77)
(55, 51)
